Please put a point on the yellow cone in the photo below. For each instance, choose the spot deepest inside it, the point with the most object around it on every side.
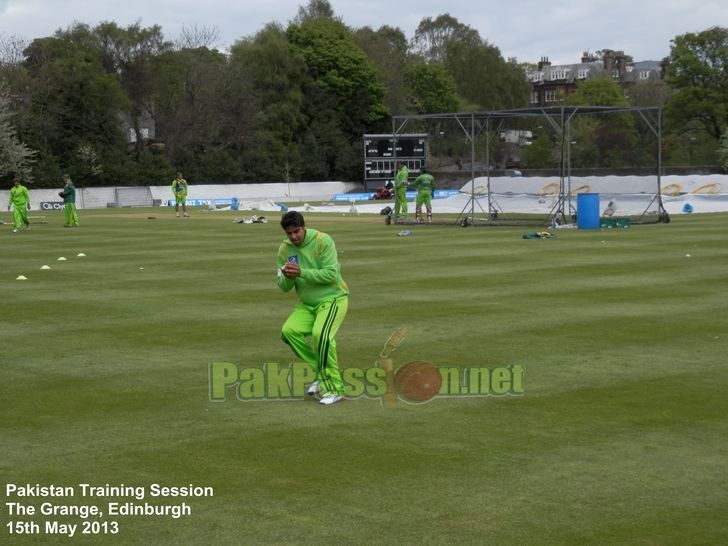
(46, 267)
(21, 278)
(61, 259)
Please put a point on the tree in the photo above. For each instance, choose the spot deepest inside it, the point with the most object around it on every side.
(432, 89)
(129, 54)
(69, 103)
(15, 157)
(11, 50)
(343, 99)
(433, 36)
(723, 151)
(187, 87)
(270, 103)
(698, 73)
(485, 81)
(602, 140)
(386, 49)
(315, 9)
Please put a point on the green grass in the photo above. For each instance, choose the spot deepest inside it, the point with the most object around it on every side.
(620, 437)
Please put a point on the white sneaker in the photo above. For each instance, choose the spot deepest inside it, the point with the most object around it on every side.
(186, 215)
(329, 399)
(313, 389)
(15, 230)
(177, 215)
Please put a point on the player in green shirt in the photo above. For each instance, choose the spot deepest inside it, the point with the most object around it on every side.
(19, 203)
(69, 202)
(425, 184)
(307, 261)
(179, 189)
(400, 191)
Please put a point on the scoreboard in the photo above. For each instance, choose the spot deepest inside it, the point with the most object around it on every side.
(379, 156)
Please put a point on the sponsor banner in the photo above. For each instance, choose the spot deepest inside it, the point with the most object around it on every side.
(51, 205)
(411, 195)
(204, 202)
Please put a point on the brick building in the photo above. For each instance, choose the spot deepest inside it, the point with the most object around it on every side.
(551, 83)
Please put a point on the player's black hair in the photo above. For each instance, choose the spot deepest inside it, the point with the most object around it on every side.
(292, 218)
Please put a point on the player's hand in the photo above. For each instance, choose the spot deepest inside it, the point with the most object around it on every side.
(27, 206)
(291, 270)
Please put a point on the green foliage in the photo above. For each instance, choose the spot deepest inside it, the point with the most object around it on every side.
(540, 154)
(386, 49)
(16, 157)
(433, 89)
(343, 97)
(699, 75)
(723, 151)
(482, 77)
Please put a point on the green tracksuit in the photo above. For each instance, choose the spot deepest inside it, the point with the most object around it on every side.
(324, 302)
(400, 188)
(19, 199)
(69, 205)
(179, 189)
(425, 185)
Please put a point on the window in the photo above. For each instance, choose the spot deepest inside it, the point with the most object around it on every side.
(537, 77)
(550, 95)
(534, 97)
(582, 73)
(559, 74)
(644, 75)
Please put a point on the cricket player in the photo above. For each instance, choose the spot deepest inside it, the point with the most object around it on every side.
(425, 184)
(400, 190)
(179, 189)
(69, 202)
(307, 261)
(19, 203)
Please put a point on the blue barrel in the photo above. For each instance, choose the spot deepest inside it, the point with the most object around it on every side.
(587, 210)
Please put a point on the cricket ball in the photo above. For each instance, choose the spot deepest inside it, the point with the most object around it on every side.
(418, 381)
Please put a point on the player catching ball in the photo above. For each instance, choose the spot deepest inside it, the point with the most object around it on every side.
(307, 261)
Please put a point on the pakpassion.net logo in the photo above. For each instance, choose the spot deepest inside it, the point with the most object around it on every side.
(414, 382)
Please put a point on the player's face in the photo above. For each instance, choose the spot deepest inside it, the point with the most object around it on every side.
(296, 234)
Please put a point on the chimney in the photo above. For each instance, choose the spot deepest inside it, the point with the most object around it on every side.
(543, 62)
(664, 65)
(608, 61)
(621, 63)
(585, 57)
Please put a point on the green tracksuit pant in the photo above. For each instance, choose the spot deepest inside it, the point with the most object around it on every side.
(20, 216)
(70, 215)
(320, 323)
(401, 202)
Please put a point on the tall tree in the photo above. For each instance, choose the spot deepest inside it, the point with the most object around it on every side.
(70, 103)
(270, 105)
(16, 157)
(432, 89)
(343, 100)
(129, 53)
(433, 37)
(386, 49)
(698, 73)
(315, 9)
(485, 81)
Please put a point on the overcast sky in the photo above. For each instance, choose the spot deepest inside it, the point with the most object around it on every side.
(526, 29)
